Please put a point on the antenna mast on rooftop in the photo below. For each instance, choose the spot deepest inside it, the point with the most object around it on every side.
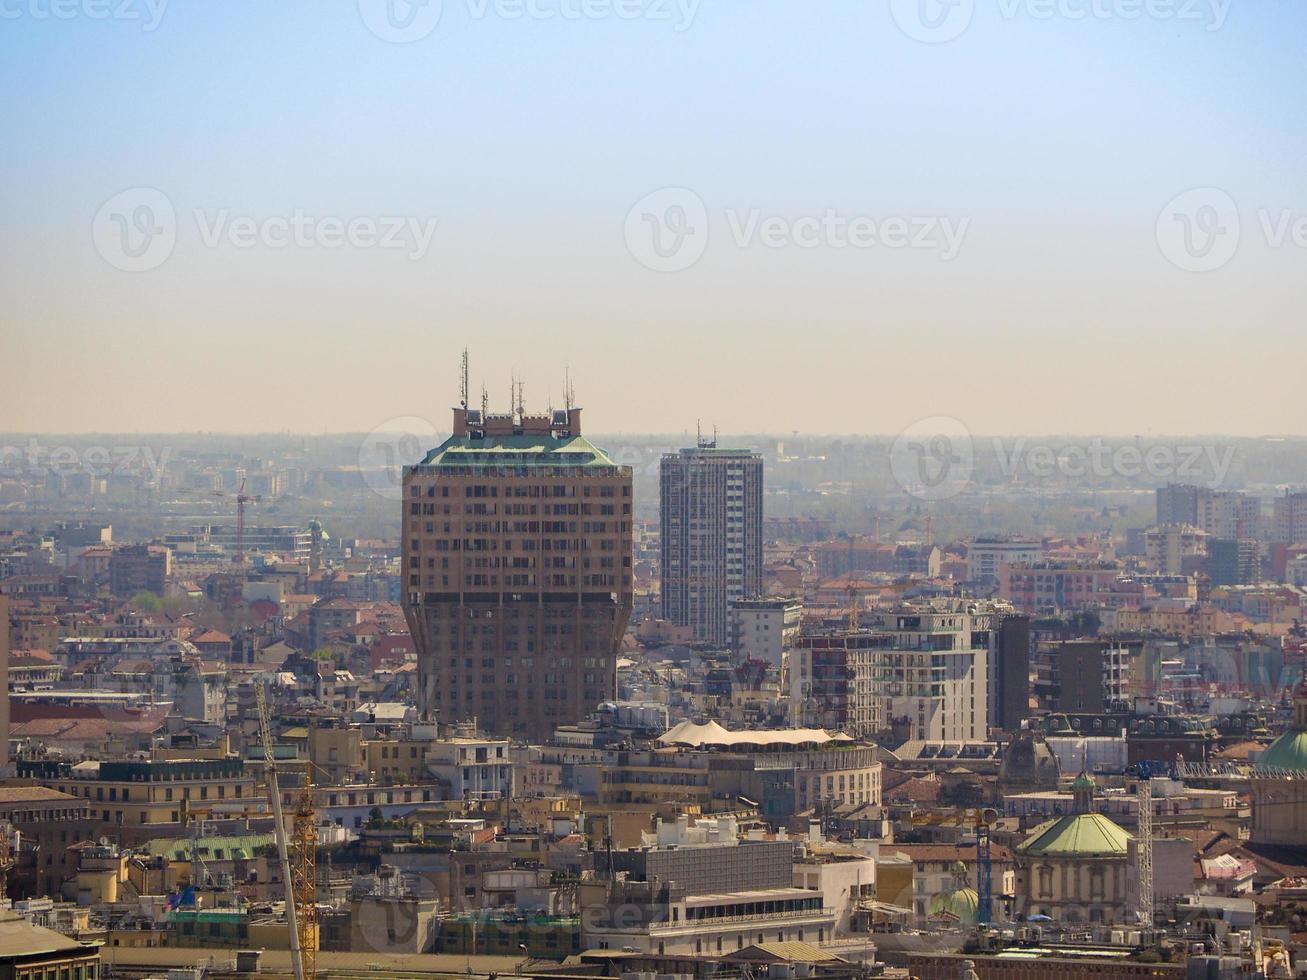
(569, 394)
(485, 400)
(463, 385)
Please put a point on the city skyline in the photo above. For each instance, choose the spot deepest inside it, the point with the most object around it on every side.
(677, 489)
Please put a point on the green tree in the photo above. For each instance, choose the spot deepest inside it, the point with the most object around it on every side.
(148, 603)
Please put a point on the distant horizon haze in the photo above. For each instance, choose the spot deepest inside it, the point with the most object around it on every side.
(248, 217)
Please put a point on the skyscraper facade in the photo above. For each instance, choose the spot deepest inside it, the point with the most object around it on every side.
(710, 504)
(517, 563)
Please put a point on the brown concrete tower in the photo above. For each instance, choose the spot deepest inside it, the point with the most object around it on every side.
(517, 571)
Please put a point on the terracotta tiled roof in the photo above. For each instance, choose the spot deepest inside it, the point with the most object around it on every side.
(915, 791)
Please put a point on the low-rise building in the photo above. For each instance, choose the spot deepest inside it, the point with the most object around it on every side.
(700, 889)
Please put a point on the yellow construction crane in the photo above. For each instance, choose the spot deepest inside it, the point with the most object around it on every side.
(288, 875)
(304, 870)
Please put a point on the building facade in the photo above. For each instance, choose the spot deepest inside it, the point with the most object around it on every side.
(924, 667)
(517, 563)
(1174, 549)
(1290, 521)
(140, 568)
(700, 890)
(985, 556)
(1074, 868)
(710, 504)
(764, 629)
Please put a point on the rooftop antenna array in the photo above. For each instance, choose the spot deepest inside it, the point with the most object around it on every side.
(485, 400)
(569, 394)
(463, 384)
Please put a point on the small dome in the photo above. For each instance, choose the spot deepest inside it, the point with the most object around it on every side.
(961, 902)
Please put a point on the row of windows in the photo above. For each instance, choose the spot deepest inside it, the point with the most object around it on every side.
(113, 794)
(75, 971)
(518, 490)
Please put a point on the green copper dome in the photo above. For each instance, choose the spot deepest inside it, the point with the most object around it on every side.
(1076, 835)
(1289, 751)
(961, 902)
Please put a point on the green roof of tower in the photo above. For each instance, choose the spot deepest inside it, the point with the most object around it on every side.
(524, 450)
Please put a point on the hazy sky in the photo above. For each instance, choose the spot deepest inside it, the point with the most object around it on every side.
(869, 220)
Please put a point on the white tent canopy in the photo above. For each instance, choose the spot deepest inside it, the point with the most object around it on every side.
(711, 733)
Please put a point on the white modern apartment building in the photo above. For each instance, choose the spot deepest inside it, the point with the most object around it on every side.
(923, 665)
(473, 768)
(763, 629)
(1290, 522)
(1167, 547)
(985, 556)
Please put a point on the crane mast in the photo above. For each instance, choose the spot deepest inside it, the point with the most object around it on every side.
(305, 873)
(279, 831)
(1144, 853)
